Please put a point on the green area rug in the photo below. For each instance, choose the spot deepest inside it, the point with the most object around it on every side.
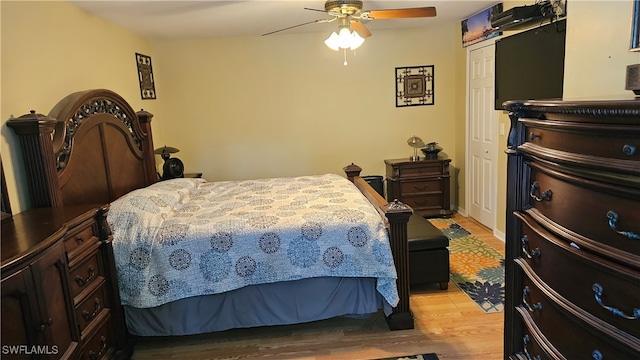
(477, 268)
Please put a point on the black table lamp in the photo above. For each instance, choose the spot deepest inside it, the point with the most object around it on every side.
(173, 167)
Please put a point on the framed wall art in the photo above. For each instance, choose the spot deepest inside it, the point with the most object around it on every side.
(635, 27)
(145, 76)
(478, 27)
(414, 86)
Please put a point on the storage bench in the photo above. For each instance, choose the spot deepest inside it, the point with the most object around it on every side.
(428, 253)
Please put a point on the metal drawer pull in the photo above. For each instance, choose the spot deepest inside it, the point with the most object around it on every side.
(103, 347)
(83, 282)
(533, 136)
(44, 325)
(422, 187)
(598, 290)
(525, 248)
(613, 219)
(543, 196)
(597, 355)
(79, 239)
(525, 342)
(89, 316)
(628, 150)
(536, 307)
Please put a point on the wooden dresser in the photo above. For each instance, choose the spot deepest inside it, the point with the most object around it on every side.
(423, 185)
(573, 230)
(59, 291)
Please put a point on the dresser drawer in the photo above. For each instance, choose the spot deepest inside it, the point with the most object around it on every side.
(80, 239)
(584, 208)
(89, 308)
(576, 274)
(621, 142)
(409, 187)
(101, 343)
(570, 331)
(86, 272)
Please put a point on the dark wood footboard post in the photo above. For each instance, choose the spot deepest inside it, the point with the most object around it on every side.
(398, 215)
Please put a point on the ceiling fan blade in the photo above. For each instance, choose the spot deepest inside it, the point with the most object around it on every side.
(359, 27)
(402, 13)
(295, 26)
(324, 11)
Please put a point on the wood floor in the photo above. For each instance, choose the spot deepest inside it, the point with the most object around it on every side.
(447, 323)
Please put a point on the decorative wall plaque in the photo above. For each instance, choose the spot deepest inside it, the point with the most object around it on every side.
(145, 76)
(414, 86)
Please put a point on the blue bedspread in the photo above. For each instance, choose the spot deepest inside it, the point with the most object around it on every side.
(188, 237)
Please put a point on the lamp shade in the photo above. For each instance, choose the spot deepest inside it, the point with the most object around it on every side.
(344, 39)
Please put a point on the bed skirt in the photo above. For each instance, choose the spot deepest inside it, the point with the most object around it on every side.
(280, 303)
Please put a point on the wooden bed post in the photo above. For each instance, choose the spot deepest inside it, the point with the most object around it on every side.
(150, 161)
(35, 132)
(398, 215)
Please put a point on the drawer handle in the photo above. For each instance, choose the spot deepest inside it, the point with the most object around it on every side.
(46, 324)
(525, 294)
(613, 219)
(423, 187)
(597, 355)
(80, 240)
(525, 342)
(525, 248)
(103, 347)
(545, 195)
(89, 316)
(598, 290)
(83, 282)
(419, 202)
(533, 136)
(628, 150)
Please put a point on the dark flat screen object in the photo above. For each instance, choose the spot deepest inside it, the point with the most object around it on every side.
(530, 65)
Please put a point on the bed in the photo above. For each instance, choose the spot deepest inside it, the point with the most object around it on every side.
(95, 149)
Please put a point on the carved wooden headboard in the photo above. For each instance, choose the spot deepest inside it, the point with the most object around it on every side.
(91, 148)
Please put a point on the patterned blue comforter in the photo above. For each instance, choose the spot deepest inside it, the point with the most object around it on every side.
(188, 237)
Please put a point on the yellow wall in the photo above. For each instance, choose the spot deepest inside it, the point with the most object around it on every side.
(285, 104)
(280, 105)
(49, 50)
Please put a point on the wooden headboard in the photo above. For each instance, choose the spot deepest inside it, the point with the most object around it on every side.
(91, 148)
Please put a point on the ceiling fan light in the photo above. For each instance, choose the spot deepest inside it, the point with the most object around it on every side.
(333, 41)
(356, 41)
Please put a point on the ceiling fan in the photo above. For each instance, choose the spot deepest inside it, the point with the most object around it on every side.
(349, 14)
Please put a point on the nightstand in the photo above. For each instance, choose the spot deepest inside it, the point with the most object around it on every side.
(423, 185)
(193, 175)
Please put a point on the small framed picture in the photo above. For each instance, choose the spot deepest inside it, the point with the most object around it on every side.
(145, 76)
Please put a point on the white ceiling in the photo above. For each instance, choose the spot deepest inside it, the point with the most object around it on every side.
(216, 18)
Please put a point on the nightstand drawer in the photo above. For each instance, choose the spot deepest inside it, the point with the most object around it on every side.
(430, 201)
(420, 170)
(421, 186)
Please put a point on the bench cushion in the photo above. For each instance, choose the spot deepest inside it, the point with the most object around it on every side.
(422, 235)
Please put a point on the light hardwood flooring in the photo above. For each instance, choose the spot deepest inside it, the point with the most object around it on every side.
(447, 323)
